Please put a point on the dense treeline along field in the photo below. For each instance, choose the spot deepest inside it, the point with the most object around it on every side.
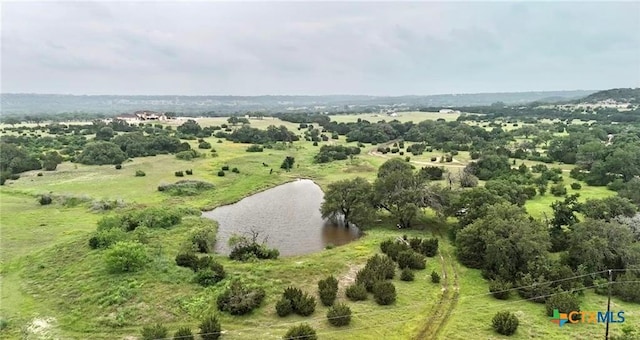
(464, 216)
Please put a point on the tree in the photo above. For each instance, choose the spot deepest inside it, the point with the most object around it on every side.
(100, 153)
(105, 133)
(596, 245)
(350, 199)
(287, 164)
(190, 127)
(502, 242)
(589, 153)
(608, 208)
(631, 190)
(51, 160)
(233, 120)
(563, 215)
(399, 191)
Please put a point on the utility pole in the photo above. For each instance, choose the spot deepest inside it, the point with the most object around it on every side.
(606, 335)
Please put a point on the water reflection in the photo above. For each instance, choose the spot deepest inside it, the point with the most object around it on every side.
(288, 216)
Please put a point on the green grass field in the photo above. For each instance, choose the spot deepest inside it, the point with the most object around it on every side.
(51, 279)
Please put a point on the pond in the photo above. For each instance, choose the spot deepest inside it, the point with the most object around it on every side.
(287, 215)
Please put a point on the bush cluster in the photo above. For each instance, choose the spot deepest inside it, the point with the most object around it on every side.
(384, 292)
(301, 331)
(410, 259)
(140, 173)
(356, 292)
(255, 148)
(378, 268)
(407, 275)
(246, 251)
(564, 302)
(295, 301)
(239, 299)
(505, 323)
(210, 328)
(500, 289)
(185, 187)
(339, 315)
(153, 332)
(328, 290)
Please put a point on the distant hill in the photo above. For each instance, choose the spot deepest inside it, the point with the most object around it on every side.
(624, 95)
(18, 103)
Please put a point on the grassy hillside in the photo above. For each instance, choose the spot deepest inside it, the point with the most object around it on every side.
(54, 285)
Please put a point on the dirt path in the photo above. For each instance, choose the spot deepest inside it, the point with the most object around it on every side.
(448, 300)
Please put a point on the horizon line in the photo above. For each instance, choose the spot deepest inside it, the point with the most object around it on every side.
(302, 95)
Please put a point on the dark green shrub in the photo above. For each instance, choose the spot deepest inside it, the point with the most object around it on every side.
(382, 265)
(339, 315)
(40, 174)
(406, 275)
(292, 293)
(105, 238)
(384, 293)
(356, 292)
(328, 290)
(411, 259)
(221, 173)
(185, 187)
(188, 155)
(305, 305)
(435, 277)
(564, 302)
(245, 250)
(140, 173)
(315, 143)
(239, 299)
(187, 260)
(301, 331)
(204, 238)
(225, 168)
(235, 170)
(255, 148)
(576, 186)
(204, 145)
(189, 172)
(45, 200)
(118, 166)
(558, 190)
(500, 289)
(157, 331)
(368, 278)
(208, 277)
(429, 247)
(284, 307)
(415, 243)
(505, 323)
(183, 333)
(210, 328)
(126, 256)
(179, 174)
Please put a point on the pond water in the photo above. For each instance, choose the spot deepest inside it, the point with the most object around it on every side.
(287, 215)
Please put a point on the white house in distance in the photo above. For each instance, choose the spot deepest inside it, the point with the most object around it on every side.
(448, 111)
(141, 116)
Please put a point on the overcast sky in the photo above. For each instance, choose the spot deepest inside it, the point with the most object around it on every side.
(199, 48)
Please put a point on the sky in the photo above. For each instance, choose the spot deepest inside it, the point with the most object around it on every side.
(317, 48)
